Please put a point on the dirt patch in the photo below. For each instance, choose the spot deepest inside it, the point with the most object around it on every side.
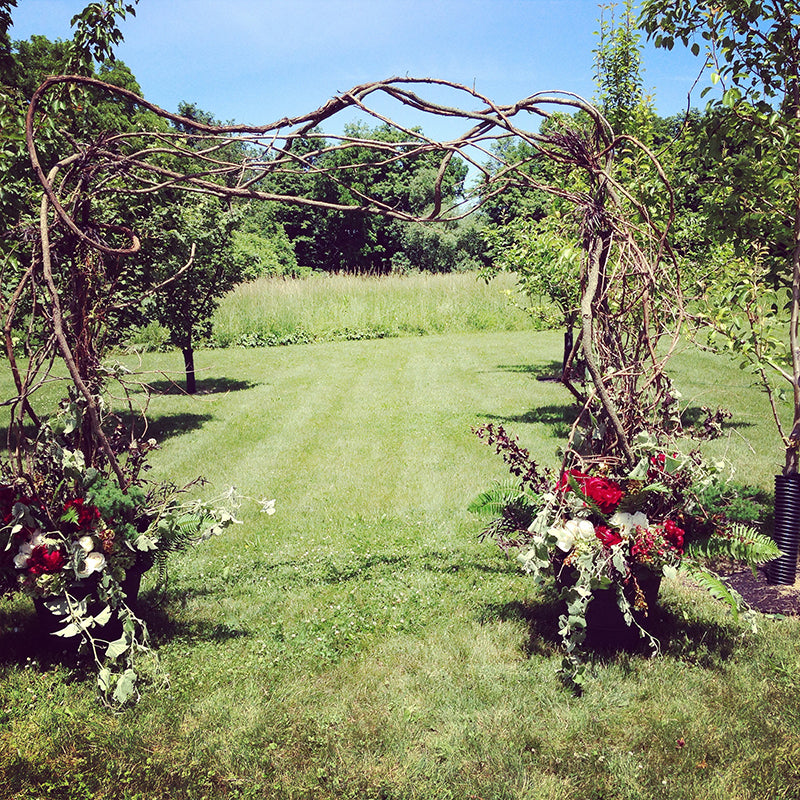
(762, 596)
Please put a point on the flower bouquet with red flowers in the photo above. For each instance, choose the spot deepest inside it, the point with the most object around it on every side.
(78, 544)
(602, 532)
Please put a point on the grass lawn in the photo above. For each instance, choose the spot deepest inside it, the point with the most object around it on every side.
(362, 643)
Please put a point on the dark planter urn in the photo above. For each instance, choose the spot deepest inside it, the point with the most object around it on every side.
(86, 589)
(787, 529)
(605, 624)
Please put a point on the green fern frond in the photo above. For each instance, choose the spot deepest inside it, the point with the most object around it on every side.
(716, 587)
(739, 543)
(498, 497)
(175, 533)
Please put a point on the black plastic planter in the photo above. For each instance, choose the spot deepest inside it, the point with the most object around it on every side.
(787, 529)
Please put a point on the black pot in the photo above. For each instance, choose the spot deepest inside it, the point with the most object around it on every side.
(605, 623)
(86, 589)
(786, 532)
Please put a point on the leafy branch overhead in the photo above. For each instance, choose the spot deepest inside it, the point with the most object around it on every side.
(753, 52)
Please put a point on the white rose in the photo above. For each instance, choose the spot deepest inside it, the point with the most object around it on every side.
(565, 538)
(26, 548)
(93, 562)
(580, 528)
(86, 543)
(23, 556)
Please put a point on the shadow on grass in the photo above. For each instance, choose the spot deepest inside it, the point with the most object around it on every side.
(540, 618)
(694, 641)
(168, 425)
(695, 416)
(559, 418)
(204, 386)
(550, 371)
(164, 625)
(159, 428)
(24, 640)
(20, 635)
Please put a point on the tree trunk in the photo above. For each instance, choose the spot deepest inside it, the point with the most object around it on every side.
(570, 318)
(569, 341)
(188, 363)
(597, 252)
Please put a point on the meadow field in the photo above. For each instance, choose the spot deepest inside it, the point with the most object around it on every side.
(362, 642)
(325, 307)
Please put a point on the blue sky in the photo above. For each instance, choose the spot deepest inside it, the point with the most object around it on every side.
(255, 61)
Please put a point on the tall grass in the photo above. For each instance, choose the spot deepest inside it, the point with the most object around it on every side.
(328, 307)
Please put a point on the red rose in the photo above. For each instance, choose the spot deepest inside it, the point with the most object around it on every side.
(604, 493)
(674, 535)
(563, 483)
(44, 560)
(87, 514)
(607, 536)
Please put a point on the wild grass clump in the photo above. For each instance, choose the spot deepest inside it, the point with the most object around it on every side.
(325, 307)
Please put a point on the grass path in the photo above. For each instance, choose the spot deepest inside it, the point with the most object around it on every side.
(362, 427)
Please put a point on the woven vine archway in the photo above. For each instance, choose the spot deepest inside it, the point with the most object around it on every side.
(627, 331)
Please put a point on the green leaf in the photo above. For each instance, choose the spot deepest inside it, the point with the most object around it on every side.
(125, 688)
(117, 647)
(145, 543)
(104, 679)
(103, 617)
(70, 630)
(639, 472)
(731, 97)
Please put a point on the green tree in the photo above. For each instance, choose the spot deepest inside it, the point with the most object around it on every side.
(536, 234)
(341, 240)
(198, 232)
(753, 48)
(619, 71)
(547, 262)
(168, 224)
(518, 200)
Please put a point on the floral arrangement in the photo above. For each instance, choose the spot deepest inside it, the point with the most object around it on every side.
(598, 530)
(78, 544)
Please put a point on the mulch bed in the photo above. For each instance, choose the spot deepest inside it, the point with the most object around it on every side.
(762, 596)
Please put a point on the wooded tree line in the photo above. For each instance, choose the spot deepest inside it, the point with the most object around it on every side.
(713, 167)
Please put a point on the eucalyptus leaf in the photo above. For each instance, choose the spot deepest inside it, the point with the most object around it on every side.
(70, 630)
(103, 617)
(117, 647)
(104, 679)
(125, 688)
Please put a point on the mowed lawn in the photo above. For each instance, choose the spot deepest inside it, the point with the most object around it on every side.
(362, 642)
